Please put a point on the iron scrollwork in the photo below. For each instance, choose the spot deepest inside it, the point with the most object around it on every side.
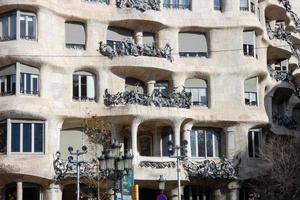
(284, 120)
(64, 169)
(141, 5)
(126, 48)
(280, 75)
(176, 99)
(157, 165)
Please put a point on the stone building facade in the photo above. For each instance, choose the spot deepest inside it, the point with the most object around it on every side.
(62, 61)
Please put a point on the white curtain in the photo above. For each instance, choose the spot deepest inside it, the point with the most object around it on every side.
(91, 87)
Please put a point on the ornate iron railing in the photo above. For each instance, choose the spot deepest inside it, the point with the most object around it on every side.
(284, 120)
(126, 48)
(7, 38)
(176, 99)
(141, 5)
(280, 75)
(177, 6)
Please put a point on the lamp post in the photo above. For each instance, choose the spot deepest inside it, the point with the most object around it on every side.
(174, 152)
(113, 164)
(76, 162)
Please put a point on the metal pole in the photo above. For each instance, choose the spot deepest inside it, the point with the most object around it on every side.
(78, 185)
(178, 173)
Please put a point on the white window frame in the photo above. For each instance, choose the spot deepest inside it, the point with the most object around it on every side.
(87, 74)
(21, 122)
(205, 144)
(27, 15)
(32, 76)
(253, 131)
(4, 79)
(257, 92)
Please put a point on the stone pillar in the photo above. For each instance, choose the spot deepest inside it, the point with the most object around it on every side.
(95, 35)
(230, 142)
(173, 194)
(134, 133)
(186, 136)
(53, 192)
(138, 34)
(233, 191)
(19, 191)
(178, 81)
(150, 87)
(169, 36)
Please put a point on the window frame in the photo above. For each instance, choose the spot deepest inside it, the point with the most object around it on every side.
(178, 4)
(252, 132)
(27, 14)
(81, 74)
(22, 122)
(205, 130)
(75, 46)
(3, 79)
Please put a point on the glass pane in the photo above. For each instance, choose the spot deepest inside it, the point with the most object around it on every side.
(38, 137)
(83, 87)
(217, 144)
(28, 84)
(201, 143)
(5, 27)
(8, 85)
(27, 137)
(193, 143)
(256, 144)
(35, 85)
(75, 87)
(250, 144)
(14, 84)
(209, 143)
(22, 83)
(31, 27)
(23, 26)
(31, 193)
(15, 137)
(13, 26)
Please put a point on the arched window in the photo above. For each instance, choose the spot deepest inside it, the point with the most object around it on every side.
(83, 86)
(133, 84)
(192, 44)
(198, 88)
(145, 145)
(23, 22)
(250, 87)
(75, 35)
(205, 142)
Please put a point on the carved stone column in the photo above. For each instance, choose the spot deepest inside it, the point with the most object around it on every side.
(134, 132)
(150, 87)
(176, 129)
(178, 81)
(218, 195)
(230, 141)
(234, 190)
(138, 37)
(53, 192)
(19, 190)
(186, 136)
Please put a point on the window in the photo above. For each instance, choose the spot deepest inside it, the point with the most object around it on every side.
(163, 87)
(83, 86)
(31, 191)
(145, 145)
(217, 4)
(167, 135)
(132, 84)
(26, 136)
(244, 5)
(25, 22)
(205, 142)
(116, 36)
(197, 193)
(192, 45)
(29, 80)
(251, 91)
(75, 35)
(249, 43)
(8, 80)
(198, 88)
(254, 142)
(8, 27)
(177, 4)
(281, 66)
(27, 26)
(3, 136)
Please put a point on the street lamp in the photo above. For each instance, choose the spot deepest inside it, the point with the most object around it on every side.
(113, 165)
(76, 162)
(174, 152)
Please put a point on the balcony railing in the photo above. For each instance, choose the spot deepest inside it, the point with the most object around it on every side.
(284, 120)
(244, 8)
(126, 48)
(177, 6)
(8, 93)
(139, 5)
(75, 46)
(280, 75)
(176, 99)
(7, 38)
(193, 54)
(83, 98)
(28, 37)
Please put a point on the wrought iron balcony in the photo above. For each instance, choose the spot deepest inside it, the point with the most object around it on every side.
(75, 46)
(139, 5)
(284, 120)
(28, 37)
(193, 54)
(280, 75)
(177, 6)
(176, 99)
(7, 93)
(126, 48)
(7, 38)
